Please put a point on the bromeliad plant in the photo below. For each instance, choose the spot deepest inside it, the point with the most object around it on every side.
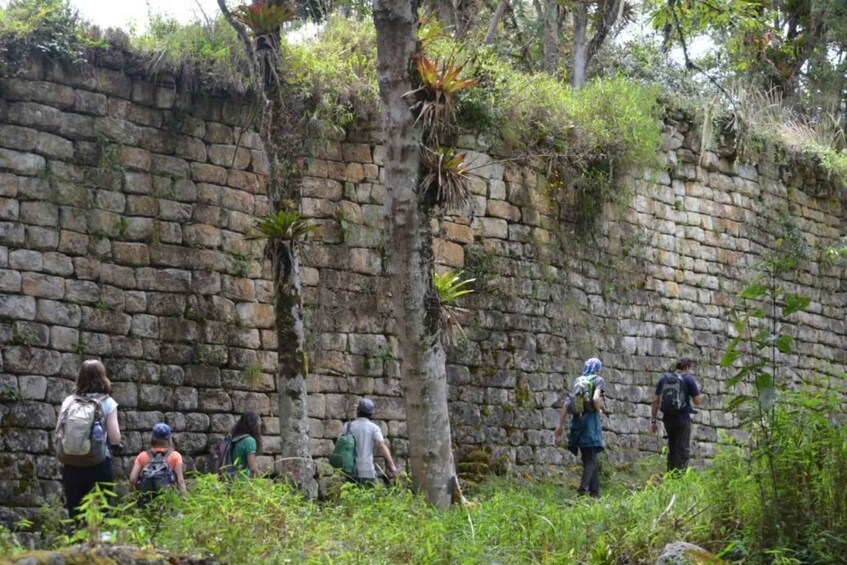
(285, 225)
(440, 85)
(445, 174)
(263, 17)
(450, 287)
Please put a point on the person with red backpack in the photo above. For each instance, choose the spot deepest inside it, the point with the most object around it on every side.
(675, 392)
(159, 467)
(87, 432)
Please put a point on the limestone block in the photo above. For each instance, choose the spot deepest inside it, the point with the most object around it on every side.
(50, 93)
(366, 261)
(238, 288)
(32, 360)
(206, 173)
(322, 188)
(11, 233)
(105, 321)
(243, 401)
(249, 182)
(9, 184)
(259, 163)
(16, 137)
(448, 253)
(90, 102)
(10, 281)
(10, 209)
(191, 148)
(138, 183)
(229, 156)
(43, 286)
(256, 315)
(117, 275)
(155, 397)
(42, 239)
(133, 254)
(185, 398)
(22, 163)
(32, 387)
(491, 227)
(218, 133)
(86, 269)
(212, 400)
(174, 211)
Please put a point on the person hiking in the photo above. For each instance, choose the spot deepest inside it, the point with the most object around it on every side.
(247, 444)
(585, 404)
(369, 439)
(158, 467)
(674, 393)
(87, 432)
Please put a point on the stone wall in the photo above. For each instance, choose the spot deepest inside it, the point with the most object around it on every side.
(124, 204)
(648, 282)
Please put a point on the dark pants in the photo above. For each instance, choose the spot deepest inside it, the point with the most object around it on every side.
(679, 442)
(590, 483)
(79, 481)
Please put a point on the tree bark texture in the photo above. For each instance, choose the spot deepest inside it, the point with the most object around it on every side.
(293, 367)
(409, 247)
(551, 36)
(580, 44)
(495, 19)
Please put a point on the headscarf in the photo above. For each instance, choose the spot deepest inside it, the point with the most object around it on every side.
(592, 366)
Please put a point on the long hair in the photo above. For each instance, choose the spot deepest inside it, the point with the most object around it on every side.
(249, 424)
(92, 378)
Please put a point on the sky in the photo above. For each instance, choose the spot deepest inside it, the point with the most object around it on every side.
(120, 13)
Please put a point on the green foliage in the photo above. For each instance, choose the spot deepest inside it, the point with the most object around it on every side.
(263, 17)
(445, 175)
(450, 287)
(441, 84)
(205, 54)
(50, 27)
(336, 70)
(285, 225)
(836, 253)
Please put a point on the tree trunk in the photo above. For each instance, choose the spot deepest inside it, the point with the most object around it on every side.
(580, 45)
(293, 367)
(409, 247)
(551, 36)
(495, 19)
(282, 141)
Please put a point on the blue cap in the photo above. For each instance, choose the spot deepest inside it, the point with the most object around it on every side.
(161, 431)
(592, 366)
(366, 406)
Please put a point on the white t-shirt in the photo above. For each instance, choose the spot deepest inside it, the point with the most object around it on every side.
(368, 436)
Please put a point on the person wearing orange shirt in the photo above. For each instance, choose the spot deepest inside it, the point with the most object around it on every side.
(160, 443)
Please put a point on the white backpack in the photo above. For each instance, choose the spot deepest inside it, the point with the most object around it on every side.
(81, 433)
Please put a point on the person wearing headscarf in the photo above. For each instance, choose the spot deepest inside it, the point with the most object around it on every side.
(586, 432)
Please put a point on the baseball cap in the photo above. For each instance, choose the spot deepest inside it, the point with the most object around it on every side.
(161, 431)
(366, 406)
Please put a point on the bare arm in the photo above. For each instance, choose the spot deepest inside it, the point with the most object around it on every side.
(383, 450)
(133, 475)
(253, 465)
(597, 400)
(180, 479)
(698, 400)
(558, 432)
(113, 430)
(654, 412)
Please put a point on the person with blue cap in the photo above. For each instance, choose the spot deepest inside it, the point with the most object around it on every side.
(158, 467)
(585, 405)
(369, 439)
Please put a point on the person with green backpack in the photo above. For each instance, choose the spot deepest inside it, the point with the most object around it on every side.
(355, 448)
(585, 405)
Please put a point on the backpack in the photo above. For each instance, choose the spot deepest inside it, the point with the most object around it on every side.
(156, 475)
(224, 464)
(344, 455)
(581, 395)
(81, 433)
(674, 394)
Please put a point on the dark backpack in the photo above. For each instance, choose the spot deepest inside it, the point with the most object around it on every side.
(581, 395)
(156, 475)
(224, 464)
(344, 455)
(674, 394)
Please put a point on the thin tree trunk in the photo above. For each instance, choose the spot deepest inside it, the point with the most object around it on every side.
(293, 367)
(580, 45)
(612, 11)
(495, 19)
(551, 36)
(409, 247)
(279, 122)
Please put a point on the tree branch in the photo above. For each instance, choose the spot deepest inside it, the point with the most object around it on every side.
(495, 19)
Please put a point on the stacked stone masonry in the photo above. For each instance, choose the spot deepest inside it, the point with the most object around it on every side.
(125, 211)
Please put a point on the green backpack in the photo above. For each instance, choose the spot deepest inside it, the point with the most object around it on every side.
(344, 455)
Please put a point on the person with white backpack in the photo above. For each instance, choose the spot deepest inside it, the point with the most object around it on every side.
(86, 428)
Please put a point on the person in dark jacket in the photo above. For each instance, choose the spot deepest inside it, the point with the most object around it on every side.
(678, 426)
(586, 432)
